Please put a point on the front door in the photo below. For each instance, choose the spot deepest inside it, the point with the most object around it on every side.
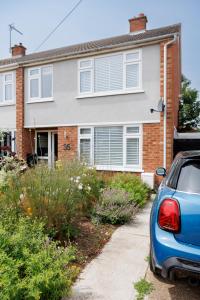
(47, 146)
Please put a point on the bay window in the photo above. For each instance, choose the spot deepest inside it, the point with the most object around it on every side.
(111, 147)
(40, 83)
(110, 74)
(7, 90)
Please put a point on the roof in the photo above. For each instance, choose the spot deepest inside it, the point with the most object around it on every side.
(98, 45)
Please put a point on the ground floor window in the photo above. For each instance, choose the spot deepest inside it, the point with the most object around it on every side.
(7, 143)
(111, 147)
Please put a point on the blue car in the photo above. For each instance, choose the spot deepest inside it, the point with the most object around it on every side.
(175, 219)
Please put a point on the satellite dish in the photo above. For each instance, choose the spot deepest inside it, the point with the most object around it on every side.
(161, 106)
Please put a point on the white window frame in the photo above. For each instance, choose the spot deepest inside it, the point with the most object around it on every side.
(4, 83)
(88, 137)
(124, 90)
(124, 167)
(130, 62)
(85, 69)
(12, 134)
(39, 77)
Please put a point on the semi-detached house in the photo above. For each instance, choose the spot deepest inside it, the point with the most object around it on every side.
(94, 100)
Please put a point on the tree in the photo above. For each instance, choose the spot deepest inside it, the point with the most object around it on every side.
(189, 110)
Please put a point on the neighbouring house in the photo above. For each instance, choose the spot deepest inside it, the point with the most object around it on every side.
(95, 100)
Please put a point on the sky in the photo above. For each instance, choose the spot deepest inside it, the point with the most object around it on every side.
(96, 19)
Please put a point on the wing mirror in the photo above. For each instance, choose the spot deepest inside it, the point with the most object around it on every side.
(161, 171)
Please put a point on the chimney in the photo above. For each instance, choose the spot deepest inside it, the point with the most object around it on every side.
(18, 50)
(138, 23)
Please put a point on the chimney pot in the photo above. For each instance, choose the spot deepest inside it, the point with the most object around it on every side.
(138, 23)
(18, 50)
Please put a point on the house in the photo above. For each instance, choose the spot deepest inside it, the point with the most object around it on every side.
(96, 100)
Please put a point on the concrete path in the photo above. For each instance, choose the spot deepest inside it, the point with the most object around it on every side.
(122, 262)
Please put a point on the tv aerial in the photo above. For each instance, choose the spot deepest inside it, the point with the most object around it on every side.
(11, 28)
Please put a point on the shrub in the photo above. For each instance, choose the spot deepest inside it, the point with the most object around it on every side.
(32, 266)
(138, 191)
(59, 196)
(12, 164)
(114, 208)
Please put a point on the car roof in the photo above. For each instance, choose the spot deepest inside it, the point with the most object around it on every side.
(188, 154)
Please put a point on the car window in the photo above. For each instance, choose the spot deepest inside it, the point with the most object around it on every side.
(189, 178)
(171, 179)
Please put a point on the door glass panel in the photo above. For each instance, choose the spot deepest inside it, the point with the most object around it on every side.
(42, 144)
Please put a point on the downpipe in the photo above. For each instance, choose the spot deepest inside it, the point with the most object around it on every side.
(165, 101)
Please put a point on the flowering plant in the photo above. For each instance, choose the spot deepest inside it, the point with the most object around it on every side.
(59, 195)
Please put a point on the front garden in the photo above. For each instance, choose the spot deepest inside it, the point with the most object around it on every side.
(53, 221)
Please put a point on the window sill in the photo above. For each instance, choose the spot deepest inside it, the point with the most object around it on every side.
(40, 100)
(119, 169)
(94, 95)
(7, 104)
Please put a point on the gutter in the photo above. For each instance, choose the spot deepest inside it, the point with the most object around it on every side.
(9, 67)
(165, 101)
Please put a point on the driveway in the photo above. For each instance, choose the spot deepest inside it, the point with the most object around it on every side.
(166, 290)
(123, 262)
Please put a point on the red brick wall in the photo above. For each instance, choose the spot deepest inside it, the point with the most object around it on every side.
(153, 133)
(24, 137)
(67, 135)
(138, 23)
(18, 50)
(173, 92)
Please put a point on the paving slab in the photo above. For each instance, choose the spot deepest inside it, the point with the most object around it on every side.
(122, 262)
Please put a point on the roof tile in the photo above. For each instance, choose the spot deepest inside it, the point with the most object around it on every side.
(94, 45)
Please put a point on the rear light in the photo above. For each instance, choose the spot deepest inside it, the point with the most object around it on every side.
(169, 215)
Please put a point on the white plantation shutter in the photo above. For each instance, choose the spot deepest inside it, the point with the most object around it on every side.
(108, 146)
(116, 146)
(108, 73)
(85, 150)
(132, 151)
(132, 75)
(101, 146)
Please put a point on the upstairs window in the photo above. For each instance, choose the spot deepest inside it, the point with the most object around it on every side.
(40, 83)
(110, 74)
(7, 94)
